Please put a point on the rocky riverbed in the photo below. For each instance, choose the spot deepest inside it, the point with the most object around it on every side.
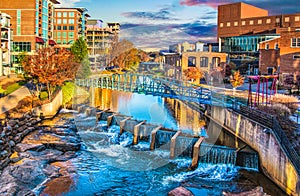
(35, 158)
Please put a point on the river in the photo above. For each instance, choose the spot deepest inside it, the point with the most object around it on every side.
(108, 165)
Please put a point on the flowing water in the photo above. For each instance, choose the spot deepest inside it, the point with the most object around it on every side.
(109, 165)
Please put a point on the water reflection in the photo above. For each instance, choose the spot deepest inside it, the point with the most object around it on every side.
(156, 110)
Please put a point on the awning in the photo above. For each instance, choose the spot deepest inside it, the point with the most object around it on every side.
(52, 42)
(39, 40)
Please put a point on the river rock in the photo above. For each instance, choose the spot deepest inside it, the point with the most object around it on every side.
(180, 191)
(24, 147)
(11, 143)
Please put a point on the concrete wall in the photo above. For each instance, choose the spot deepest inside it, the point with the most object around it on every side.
(273, 159)
(50, 109)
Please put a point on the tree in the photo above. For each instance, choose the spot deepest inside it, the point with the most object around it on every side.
(193, 73)
(118, 48)
(236, 79)
(80, 51)
(51, 67)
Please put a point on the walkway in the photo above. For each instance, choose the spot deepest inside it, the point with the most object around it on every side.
(11, 101)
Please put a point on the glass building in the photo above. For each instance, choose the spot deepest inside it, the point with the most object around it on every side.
(244, 50)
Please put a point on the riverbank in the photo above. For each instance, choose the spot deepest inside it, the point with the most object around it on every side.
(40, 163)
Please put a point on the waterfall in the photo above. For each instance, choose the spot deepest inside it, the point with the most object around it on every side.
(163, 138)
(184, 146)
(217, 154)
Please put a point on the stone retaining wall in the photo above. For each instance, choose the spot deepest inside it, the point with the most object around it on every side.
(12, 131)
(49, 109)
(273, 160)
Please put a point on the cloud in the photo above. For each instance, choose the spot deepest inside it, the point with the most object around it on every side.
(275, 7)
(163, 35)
(210, 3)
(162, 14)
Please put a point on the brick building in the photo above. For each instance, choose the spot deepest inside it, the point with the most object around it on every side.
(32, 24)
(70, 24)
(281, 54)
(241, 27)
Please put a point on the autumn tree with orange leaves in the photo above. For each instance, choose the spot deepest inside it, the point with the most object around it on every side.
(193, 73)
(51, 67)
(236, 79)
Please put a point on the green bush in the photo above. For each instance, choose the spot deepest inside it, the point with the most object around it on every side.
(43, 95)
(68, 91)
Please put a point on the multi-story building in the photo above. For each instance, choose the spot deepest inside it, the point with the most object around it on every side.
(281, 54)
(115, 27)
(70, 24)
(99, 38)
(32, 24)
(193, 47)
(206, 61)
(241, 27)
(5, 43)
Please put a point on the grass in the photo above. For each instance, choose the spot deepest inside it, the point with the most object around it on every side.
(13, 87)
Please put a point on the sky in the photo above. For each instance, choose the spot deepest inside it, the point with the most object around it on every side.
(156, 24)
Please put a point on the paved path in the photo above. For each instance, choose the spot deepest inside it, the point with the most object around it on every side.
(11, 101)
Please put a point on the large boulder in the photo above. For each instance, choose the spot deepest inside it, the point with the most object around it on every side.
(180, 191)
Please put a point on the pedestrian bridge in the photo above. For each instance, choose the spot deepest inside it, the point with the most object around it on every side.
(158, 86)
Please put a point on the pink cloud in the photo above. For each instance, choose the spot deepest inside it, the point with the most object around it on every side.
(210, 3)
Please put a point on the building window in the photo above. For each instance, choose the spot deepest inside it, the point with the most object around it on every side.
(276, 46)
(192, 61)
(65, 14)
(21, 47)
(296, 57)
(297, 18)
(71, 14)
(64, 35)
(58, 21)
(204, 62)
(287, 19)
(58, 35)
(277, 20)
(59, 27)
(236, 23)
(65, 28)
(243, 23)
(295, 42)
(71, 35)
(268, 21)
(267, 46)
(58, 14)
(71, 27)
(259, 22)
(65, 21)
(228, 24)
(251, 22)
(18, 22)
(71, 21)
(221, 24)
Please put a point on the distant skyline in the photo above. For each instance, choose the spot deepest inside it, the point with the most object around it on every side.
(156, 24)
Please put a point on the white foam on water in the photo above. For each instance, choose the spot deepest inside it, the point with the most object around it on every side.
(220, 172)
